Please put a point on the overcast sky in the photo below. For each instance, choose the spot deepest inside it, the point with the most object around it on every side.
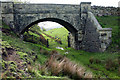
(49, 25)
(94, 2)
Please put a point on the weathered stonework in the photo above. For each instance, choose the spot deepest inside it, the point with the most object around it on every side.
(105, 38)
(72, 40)
(105, 11)
(85, 31)
(7, 13)
(96, 37)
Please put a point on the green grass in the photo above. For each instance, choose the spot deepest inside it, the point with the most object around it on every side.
(52, 43)
(61, 33)
(23, 46)
(23, 49)
(108, 21)
(82, 57)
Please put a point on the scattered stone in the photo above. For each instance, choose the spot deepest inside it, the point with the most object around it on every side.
(60, 48)
(66, 52)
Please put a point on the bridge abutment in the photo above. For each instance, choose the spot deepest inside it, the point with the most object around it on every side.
(7, 11)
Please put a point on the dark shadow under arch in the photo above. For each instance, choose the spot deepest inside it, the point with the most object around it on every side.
(67, 25)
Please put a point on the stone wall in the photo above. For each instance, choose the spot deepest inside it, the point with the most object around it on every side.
(91, 40)
(72, 41)
(96, 38)
(105, 38)
(104, 11)
(7, 13)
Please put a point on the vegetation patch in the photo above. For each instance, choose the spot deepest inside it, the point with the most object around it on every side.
(22, 59)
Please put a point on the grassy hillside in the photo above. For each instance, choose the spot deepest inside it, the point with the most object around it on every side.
(61, 33)
(21, 59)
(105, 64)
(108, 21)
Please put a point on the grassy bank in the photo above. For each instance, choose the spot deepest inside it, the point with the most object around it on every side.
(21, 59)
(105, 64)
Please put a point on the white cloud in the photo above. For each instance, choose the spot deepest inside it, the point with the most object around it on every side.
(49, 25)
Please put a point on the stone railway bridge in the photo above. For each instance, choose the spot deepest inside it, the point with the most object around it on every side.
(84, 30)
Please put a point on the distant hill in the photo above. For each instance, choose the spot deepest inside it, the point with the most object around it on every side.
(61, 33)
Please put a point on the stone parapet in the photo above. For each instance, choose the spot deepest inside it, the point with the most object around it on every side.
(46, 8)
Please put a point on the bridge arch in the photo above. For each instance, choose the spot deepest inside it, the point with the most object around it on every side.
(67, 25)
(72, 35)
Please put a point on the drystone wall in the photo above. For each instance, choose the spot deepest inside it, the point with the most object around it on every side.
(105, 11)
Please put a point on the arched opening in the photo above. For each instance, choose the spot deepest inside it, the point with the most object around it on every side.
(67, 25)
(58, 39)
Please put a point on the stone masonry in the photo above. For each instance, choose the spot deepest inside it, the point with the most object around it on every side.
(85, 31)
(105, 11)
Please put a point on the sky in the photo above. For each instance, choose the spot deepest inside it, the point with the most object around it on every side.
(119, 4)
(49, 25)
(94, 2)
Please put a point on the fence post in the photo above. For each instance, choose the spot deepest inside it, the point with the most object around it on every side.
(47, 43)
(68, 41)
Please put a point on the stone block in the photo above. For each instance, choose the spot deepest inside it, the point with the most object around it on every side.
(7, 7)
